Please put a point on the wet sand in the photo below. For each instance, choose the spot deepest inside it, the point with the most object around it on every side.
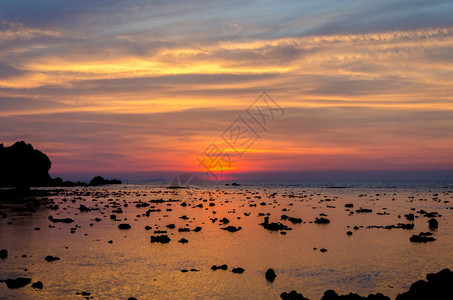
(150, 242)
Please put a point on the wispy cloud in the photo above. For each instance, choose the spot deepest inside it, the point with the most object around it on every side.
(363, 82)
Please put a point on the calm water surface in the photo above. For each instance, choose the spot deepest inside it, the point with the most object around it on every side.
(371, 260)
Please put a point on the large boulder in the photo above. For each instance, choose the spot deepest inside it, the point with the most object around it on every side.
(22, 166)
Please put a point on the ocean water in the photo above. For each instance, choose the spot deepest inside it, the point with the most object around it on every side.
(371, 260)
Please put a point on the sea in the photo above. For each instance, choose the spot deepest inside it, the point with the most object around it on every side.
(364, 248)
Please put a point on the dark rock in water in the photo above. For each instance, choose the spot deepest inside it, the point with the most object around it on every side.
(171, 226)
(349, 232)
(224, 221)
(83, 208)
(184, 270)
(323, 250)
(273, 226)
(50, 258)
(37, 285)
(399, 225)
(160, 239)
(322, 221)
(3, 253)
(238, 270)
(332, 295)
(364, 210)
(197, 229)
(232, 228)
(83, 293)
(65, 220)
(235, 184)
(422, 237)
(148, 228)
(405, 225)
(131, 298)
(438, 286)
(295, 220)
(349, 205)
(183, 241)
(17, 283)
(410, 217)
(220, 267)
(98, 180)
(124, 226)
(270, 275)
(22, 166)
(293, 295)
(433, 224)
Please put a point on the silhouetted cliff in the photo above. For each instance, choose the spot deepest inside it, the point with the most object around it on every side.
(23, 166)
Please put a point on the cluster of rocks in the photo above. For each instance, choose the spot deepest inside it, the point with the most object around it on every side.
(437, 286)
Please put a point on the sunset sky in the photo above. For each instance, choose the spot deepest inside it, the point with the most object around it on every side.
(129, 87)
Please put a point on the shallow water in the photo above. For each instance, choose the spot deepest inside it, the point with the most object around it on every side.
(371, 260)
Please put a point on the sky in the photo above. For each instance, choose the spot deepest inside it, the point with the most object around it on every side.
(158, 87)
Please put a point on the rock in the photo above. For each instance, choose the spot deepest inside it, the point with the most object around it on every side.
(349, 232)
(238, 270)
(65, 220)
(422, 237)
(332, 295)
(183, 241)
(295, 220)
(433, 224)
(270, 275)
(293, 295)
(323, 250)
(349, 205)
(22, 166)
(274, 226)
(17, 283)
(83, 208)
(437, 286)
(364, 210)
(124, 226)
(224, 221)
(50, 258)
(98, 180)
(220, 267)
(160, 239)
(148, 228)
(3, 254)
(410, 217)
(37, 285)
(232, 228)
(322, 221)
